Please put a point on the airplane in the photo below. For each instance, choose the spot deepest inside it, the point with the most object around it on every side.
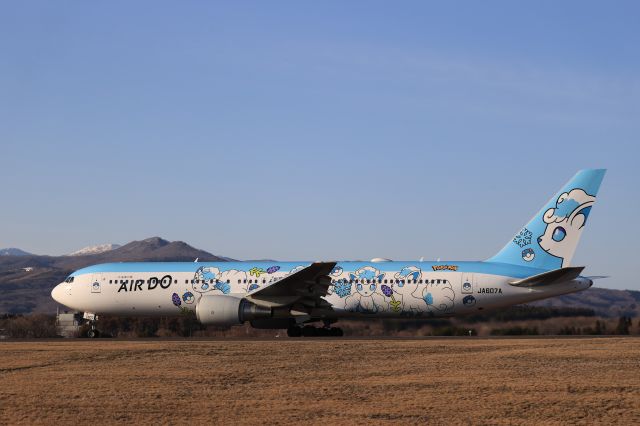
(534, 264)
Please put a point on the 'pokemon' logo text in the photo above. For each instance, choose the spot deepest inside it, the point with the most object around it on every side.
(445, 267)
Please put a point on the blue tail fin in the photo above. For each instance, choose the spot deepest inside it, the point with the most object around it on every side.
(550, 239)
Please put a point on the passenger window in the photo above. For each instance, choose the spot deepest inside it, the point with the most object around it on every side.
(228, 281)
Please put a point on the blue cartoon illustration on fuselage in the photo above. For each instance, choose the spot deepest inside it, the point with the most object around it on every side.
(564, 223)
(176, 299)
(404, 284)
(438, 297)
(342, 288)
(188, 297)
(344, 291)
(469, 301)
(297, 269)
(367, 298)
(209, 278)
(336, 271)
(528, 254)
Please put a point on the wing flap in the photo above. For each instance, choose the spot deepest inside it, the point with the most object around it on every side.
(549, 278)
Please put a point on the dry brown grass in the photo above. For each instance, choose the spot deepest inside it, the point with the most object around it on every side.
(440, 381)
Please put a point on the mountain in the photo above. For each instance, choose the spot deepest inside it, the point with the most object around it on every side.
(11, 251)
(26, 280)
(158, 250)
(101, 248)
(26, 291)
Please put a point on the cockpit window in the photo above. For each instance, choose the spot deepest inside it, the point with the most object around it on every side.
(69, 280)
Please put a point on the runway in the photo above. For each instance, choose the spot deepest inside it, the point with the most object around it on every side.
(344, 381)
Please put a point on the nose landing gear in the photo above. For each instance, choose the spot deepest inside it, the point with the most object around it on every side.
(93, 332)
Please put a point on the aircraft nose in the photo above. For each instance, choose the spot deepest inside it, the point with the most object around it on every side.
(58, 293)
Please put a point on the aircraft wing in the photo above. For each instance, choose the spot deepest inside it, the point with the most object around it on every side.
(551, 277)
(305, 287)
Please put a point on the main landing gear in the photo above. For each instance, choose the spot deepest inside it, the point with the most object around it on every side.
(93, 332)
(311, 331)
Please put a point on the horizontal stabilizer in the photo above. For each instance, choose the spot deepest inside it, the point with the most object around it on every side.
(548, 278)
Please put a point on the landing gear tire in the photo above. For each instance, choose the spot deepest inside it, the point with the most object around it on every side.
(294, 331)
(93, 334)
(332, 332)
(309, 331)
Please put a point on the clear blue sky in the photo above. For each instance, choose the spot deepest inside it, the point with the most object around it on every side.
(318, 130)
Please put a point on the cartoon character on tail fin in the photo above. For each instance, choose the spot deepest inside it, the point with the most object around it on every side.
(565, 223)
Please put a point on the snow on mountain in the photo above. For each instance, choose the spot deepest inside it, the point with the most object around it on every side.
(13, 252)
(100, 248)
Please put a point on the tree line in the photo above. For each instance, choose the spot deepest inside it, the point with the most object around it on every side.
(518, 320)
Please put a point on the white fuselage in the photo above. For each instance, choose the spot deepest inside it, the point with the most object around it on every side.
(384, 289)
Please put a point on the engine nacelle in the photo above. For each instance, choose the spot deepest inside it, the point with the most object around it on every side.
(228, 310)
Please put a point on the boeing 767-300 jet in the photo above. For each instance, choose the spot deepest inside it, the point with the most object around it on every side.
(533, 265)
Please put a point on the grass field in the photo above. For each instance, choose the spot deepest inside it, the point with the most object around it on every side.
(439, 381)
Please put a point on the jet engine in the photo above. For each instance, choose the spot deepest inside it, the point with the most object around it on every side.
(228, 310)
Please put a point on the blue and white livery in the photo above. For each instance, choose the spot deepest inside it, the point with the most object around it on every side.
(534, 264)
